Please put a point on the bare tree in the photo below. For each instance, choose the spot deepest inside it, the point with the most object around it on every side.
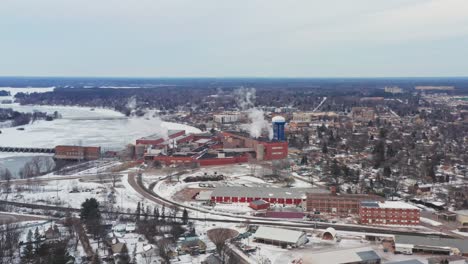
(9, 241)
(219, 237)
(164, 250)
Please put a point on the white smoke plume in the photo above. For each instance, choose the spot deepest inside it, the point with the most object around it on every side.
(131, 103)
(258, 124)
(245, 98)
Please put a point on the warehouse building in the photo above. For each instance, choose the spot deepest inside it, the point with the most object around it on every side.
(363, 255)
(240, 194)
(336, 203)
(279, 236)
(408, 244)
(388, 213)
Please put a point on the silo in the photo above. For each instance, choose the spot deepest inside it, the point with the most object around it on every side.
(130, 151)
(278, 128)
(140, 150)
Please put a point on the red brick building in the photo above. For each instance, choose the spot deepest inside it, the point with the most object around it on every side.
(241, 194)
(156, 139)
(263, 149)
(388, 213)
(338, 204)
(259, 205)
(77, 153)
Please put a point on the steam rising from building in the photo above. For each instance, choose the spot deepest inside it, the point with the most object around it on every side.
(245, 98)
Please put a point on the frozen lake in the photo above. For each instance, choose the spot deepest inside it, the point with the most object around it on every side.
(79, 126)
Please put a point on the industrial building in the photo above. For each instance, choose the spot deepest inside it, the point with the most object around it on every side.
(365, 255)
(227, 117)
(241, 194)
(77, 153)
(408, 244)
(259, 148)
(224, 148)
(279, 236)
(388, 213)
(336, 203)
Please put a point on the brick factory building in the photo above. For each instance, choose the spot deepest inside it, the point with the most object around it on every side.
(339, 204)
(388, 213)
(262, 148)
(77, 153)
(241, 194)
(156, 139)
(259, 205)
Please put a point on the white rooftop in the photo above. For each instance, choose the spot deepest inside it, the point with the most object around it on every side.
(397, 205)
(353, 255)
(278, 234)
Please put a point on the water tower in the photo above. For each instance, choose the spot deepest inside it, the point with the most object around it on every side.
(278, 128)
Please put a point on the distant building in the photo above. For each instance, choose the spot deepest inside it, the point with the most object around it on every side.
(388, 213)
(393, 90)
(363, 114)
(226, 118)
(279, 236)
(77, 153)
(434, 88)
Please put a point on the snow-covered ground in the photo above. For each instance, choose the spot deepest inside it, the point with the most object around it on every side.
(80, 125)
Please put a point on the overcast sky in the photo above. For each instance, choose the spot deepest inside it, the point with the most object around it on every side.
(203, 38)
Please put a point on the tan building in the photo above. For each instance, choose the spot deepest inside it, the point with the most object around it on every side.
(462, 217)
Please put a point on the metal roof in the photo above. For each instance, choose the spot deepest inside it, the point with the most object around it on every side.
(409, 261)
(368, 255)
(264, 192)
(351, 255)
(278, 234)
(461, 244)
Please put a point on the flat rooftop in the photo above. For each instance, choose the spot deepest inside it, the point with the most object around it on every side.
(389, 205)
(264, 192)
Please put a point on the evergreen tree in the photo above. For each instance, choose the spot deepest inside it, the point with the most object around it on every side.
(185, 216)
(156, 213)
(324, 149)
(138, 212)
(37, 238)
(163, 213)
(387, 172)
(91, 216)
(28, 252)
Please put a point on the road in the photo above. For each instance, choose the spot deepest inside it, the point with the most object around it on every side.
(7, 218)
(60, 178)
(228, 218)
(320, 104)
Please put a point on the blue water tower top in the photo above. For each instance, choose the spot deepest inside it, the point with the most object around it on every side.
(278, 128)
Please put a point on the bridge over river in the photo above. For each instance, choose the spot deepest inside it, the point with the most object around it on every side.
(27, 150)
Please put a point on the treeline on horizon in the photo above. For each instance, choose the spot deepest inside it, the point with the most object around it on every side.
(218, 94)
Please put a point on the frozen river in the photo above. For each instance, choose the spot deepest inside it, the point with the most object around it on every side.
(79, 126)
